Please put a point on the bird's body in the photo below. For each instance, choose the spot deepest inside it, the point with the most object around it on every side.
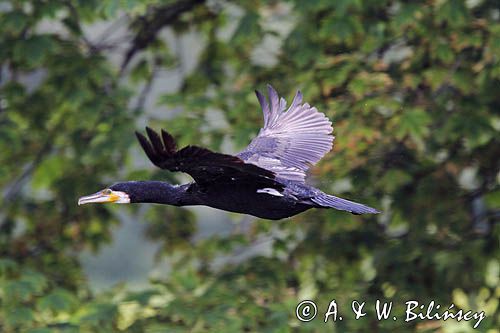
(266, 180)
(249, 200)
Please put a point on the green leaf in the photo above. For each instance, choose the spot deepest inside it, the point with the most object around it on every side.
(394, 179)
(110, 7)
(436, 77)
(413, 122)
(7, 266)
(47, 172)
(248, 29)
(408, 15)
(454, 12)
(341, 29)
(40, 330)
(141, 71)
(58, 300)
(96, 314)
(33, 50)
(368, 83)
(18, 316)
(338, 75)
(13, 22)
(37, 280)
(18, 291)
(492, 199)
(142, 297)
(445, 53)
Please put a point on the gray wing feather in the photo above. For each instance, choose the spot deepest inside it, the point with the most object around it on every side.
(291, 140)
(330, 201)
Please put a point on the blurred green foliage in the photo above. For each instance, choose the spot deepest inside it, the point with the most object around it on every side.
(412, 89)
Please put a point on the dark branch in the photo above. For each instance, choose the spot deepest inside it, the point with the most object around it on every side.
(13, 190)
(150, 25)
(77, 25)
(146, 90)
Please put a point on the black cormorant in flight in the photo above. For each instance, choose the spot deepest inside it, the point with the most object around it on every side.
(267, 179)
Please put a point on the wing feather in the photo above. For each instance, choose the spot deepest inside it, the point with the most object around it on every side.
(291, 140)
(204, 165)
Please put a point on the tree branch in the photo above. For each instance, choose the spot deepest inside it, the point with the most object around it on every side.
(16, 186)
(150, 25)
(146, 90)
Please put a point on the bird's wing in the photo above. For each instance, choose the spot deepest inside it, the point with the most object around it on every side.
(291, 140)
(204, 165)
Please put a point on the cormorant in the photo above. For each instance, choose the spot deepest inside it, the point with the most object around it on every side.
(266, 180)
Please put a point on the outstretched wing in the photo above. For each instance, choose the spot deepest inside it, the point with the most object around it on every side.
(204, 165)
(291, 140)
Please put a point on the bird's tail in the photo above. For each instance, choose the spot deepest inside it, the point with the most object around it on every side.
(330, 201)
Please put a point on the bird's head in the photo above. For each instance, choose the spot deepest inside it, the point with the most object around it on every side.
(136, 192)
(117, 193)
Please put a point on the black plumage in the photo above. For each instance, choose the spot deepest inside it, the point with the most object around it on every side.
(267, 179)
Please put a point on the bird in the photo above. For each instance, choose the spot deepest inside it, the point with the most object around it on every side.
(266, 179)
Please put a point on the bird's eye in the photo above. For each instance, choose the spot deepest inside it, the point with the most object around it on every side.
(106, 191)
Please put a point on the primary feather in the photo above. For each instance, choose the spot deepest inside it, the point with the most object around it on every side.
(292, 139)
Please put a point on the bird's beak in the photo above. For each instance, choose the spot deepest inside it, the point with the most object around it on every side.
(100, 197)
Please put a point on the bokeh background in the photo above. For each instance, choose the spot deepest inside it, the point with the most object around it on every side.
(413, 90)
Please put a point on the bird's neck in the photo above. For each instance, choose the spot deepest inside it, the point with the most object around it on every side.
(162, 193)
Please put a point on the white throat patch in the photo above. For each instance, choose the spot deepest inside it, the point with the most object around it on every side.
(123, 197)
(270, 191)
